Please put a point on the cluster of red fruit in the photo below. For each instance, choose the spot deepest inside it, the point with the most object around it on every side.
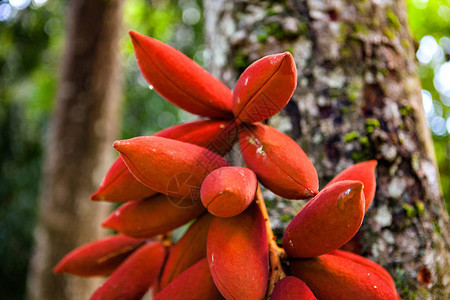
(179, 174)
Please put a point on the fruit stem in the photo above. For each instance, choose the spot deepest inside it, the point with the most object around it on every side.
(276, 254)
(166, 239)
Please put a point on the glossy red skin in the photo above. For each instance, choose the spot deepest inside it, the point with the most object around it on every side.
(228, 191)
(168, 166)
(193, 284)
(364, 172)
(334, 277)
(149, 217)
(237, 254)
(98, 258)
(133, 277)
(187, 251)
(327, 221)
(292, 288)
(180, 80)
(280, 164)
(264, 88)
(376, 268)
(119, 185)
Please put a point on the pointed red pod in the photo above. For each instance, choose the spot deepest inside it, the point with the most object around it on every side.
(190, 249)
(133, 277)
(280, 164)
(238, 255)
(180, 80)
(98, 258)
(168, 166)
(149, 217)
(376, 268)
(292, 288)
(364, 172)
(119, 185)
(334, 277)
(264, 88)
(228, 191)
(193, 284)
(327, 221)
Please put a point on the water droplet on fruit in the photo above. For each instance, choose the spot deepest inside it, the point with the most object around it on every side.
(291, 243)
(260, 151)
(150, 87)
(343, 198)
(374, 286)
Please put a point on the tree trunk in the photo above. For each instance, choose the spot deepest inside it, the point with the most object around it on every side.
(358, 98)
(79, 149)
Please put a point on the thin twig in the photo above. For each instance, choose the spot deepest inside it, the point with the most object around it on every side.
(276, 254)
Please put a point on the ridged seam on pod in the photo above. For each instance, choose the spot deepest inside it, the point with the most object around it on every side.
(237, 254)
(119, 185)
(364, 172)
(327, 221)
(149, 217)
(180, 80)
(264, 88)
(98, 258)
(134, 276)
(187, 251)
(369, 264)
(228, 191)
(292, 288)
(337, 278)
(278, 161)
(168, 166)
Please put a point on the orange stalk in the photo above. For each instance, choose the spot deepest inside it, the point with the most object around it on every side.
(276, 254)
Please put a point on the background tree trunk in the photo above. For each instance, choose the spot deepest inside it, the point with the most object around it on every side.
(358, 98)
(79, 149)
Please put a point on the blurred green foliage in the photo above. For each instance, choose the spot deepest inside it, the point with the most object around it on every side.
(29, 48)
(430, 24)
(31, 42)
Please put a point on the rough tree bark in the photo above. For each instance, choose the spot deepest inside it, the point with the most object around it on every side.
(358, 98)
(79, 147)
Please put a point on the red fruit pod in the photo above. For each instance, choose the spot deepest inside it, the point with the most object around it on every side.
(327, 221)
(280, 164)
(292, 288)
(119, 185)
(238, 256)
(168, 166)
(217, 136)
(190, 249)
(193, 284)
(98, 258)
(364, 172)
(376, 268)
(180, 80)
(149, 217)
(264, 88)
(333, 277)
(133, 277)
(228, 191)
